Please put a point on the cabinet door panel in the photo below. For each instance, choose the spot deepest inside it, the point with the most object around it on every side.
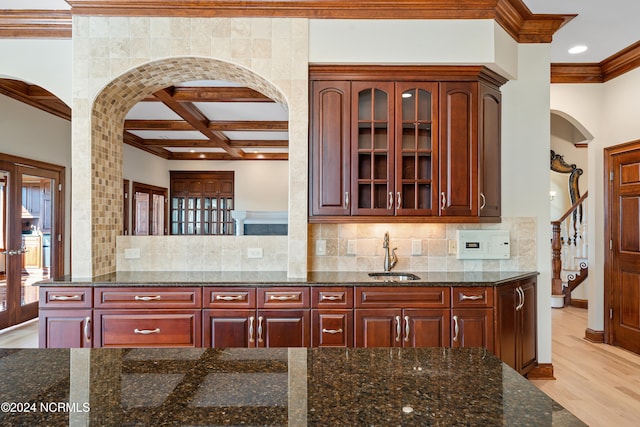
(458, 149)
(426, 328)
(372, 147)
(506, 327)
(229, 328)
(378, 328)
(284, 328)
(489, 123)
(65, 328)
(475, 328)
(330, 148)
(332, 328)
(528, 327)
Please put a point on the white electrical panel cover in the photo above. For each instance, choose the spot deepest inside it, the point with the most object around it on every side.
(483, 244)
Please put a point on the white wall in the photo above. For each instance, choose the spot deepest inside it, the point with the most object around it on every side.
(525, 167)
(259, 185)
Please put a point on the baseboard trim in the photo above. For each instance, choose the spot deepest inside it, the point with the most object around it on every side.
(542, 371)
(580, 303)
(594, 336)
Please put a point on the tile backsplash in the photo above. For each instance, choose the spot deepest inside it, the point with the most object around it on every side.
(358, 247)
(347, 247)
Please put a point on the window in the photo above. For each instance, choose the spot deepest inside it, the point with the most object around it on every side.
(201, 202)
(148, 210)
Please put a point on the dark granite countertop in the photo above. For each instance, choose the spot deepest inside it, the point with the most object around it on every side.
(270, 387)
(279, 278)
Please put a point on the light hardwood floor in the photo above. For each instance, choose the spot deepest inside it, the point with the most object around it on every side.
(598, 383)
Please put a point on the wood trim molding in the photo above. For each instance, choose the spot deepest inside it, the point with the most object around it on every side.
(614, 66)
(580, 303)
(542, 371)
(594, 336)
(36, 24)
(512, 15)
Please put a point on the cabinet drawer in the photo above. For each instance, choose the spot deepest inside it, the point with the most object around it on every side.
(148, 298)
(284, 297)
(402, 297)
(332, 328)
(229, 298)
(472, 297)
(65, 297)
(332, 297)
(143, 328)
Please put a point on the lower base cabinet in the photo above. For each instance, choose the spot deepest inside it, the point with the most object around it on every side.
(501, 318)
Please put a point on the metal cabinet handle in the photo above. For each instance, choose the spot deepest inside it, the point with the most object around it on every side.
(521, 293)
(484, 201)
(519, 298)
(283, 297)
(406, 328)
(65, 297)
(346, 200)
(398, 200)
(331, 298)
(456, 328)
(390, 203)
(251, 319)
(398, 328)
(87, 329)
(464, 297)
(146, 331)
(143, 298)
(260, 318)
(229, 297)
(443, 200)
(332, 331)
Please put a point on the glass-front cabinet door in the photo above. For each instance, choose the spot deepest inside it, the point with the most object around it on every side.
(416, 149)
(372, 143)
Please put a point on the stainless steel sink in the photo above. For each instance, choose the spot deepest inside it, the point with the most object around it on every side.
(392, 276)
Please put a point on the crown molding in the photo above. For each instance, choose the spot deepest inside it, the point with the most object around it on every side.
(512, 15)
(614, 66)
(35, 24)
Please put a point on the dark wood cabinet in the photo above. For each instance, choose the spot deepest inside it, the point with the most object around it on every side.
(402, 317)
(516, 336)
(424, 143)
(65, 328)
(332, 317)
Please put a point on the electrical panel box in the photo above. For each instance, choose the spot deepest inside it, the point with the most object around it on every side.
(483, 244)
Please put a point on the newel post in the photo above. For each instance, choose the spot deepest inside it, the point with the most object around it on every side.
(556, 261)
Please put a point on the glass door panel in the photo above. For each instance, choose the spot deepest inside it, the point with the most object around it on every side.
(416, 154)
(5, 177)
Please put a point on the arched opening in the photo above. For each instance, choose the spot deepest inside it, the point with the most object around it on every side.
(109, 110)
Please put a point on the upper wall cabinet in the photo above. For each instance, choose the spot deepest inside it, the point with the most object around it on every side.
(404, 144)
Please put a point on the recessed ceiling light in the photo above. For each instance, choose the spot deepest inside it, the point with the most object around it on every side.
(578, 49)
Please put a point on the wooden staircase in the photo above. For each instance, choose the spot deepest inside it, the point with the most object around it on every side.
(569, 251)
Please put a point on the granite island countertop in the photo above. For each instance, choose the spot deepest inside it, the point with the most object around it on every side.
(279, 278)
(272, 386)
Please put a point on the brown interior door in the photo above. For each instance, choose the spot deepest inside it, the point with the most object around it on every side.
(624, 263)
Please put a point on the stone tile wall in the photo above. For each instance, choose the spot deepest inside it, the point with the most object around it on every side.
(118, 61)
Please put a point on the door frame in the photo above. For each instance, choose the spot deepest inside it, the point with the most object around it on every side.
(609, 261)
(22, 165)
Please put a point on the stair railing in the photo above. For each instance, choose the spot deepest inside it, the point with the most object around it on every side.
(568, 244)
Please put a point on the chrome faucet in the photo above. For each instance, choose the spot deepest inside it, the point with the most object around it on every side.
(390, 259)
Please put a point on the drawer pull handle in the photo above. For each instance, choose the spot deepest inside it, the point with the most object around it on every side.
(456, 328)
(283, 297)
(146, 331)
(331, 298)
(260, 318)
(406, 328)
(251, 319)
(87, 329)
(139, 298)
(398, 328)
(65, 297)
(229, 297)
(332, 331)
(464, 297)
